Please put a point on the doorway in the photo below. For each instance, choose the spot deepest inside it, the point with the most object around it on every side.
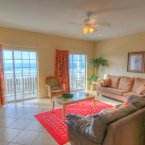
(77, 71)
(21, 74)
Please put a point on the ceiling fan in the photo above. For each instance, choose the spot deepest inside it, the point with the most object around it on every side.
(90, 24)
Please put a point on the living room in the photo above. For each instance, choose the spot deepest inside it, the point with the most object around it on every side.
(42, 27)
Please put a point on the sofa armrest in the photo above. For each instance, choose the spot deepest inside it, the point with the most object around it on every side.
(143, 93)
(99, 83)
(127, 131)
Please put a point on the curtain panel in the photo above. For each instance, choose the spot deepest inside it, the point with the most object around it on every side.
(2, 84)
(62, 68)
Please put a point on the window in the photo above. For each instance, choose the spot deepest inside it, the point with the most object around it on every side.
(77, 72)
(20, 70)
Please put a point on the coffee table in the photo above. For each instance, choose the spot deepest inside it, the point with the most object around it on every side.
(77, 97)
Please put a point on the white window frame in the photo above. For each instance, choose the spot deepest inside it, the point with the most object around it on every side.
(37, 74)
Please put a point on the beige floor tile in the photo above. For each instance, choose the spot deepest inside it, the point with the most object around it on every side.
(4, 143)
(7, 134)
(67, 143)
(28, 116)
(34, 126)
(20, 124)
(14, 144)
(44, 139)
(44, 130)
(11, 114)
(106, 99)
(26, 137)
(6, 122)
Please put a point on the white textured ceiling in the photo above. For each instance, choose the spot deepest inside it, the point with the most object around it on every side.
(52, 16)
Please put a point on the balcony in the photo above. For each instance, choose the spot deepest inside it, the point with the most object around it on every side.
(20, 87)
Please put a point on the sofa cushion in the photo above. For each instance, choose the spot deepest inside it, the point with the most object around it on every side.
(138, 82)
(106, 83)
(92, 127)
(111, 90)
(140, 89)
(111, 115)
(138, 102)
(130, 93)
(126, 83)
(114, 81)
(116, 91)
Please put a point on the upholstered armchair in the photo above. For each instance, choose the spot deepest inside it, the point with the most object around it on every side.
(53, 87)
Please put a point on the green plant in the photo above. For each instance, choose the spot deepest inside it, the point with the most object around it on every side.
(92, 78)
(97, 62)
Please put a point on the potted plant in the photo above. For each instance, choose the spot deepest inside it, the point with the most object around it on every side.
(97, 62)
(92, 78)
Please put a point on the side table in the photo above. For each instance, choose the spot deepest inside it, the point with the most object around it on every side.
(93, 84)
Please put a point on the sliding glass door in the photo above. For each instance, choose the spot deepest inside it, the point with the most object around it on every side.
(21, 79)
(77, 72)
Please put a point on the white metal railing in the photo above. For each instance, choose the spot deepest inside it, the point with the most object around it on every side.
(77, 82)
(21, 85)
(77, 71)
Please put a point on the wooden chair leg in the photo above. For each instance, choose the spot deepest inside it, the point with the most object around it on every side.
(51, 100)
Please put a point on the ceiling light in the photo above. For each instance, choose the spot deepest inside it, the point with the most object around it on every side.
(91, 30)
(88, 29)
(85, 30)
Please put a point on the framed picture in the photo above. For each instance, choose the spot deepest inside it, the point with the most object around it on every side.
(136, 62)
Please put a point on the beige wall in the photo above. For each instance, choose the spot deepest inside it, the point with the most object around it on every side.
(45, 45)
(116, 52)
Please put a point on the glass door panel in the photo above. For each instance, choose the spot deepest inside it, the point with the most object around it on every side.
(20, 68)
(77, 72)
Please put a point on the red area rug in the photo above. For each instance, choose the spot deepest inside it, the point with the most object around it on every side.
(53, 123)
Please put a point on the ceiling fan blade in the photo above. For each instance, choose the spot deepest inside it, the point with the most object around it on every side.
(106, 10)
(73, 23)
(103, 25)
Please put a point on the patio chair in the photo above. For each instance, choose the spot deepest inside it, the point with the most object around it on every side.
(53, 87)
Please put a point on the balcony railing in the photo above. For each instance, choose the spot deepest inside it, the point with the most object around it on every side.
(20, 87)
(77, 81)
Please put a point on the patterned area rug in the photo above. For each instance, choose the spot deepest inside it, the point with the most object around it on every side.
(54, 124)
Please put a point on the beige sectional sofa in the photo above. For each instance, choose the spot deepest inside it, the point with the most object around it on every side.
(120, 87)
(120, 125)
(129, 130)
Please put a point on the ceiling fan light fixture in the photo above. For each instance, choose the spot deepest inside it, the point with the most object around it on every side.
(85, 30)
(91, 30)
(88, 29)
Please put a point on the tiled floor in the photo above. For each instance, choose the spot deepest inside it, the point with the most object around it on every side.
(19, 127)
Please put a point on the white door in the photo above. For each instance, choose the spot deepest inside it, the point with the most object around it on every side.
(77, 70)
(21, 75)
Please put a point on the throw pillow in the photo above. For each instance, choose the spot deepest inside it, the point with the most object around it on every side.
(114, 81)
(126, 83)
(140, 89)
(137, 101)
(106, 82)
